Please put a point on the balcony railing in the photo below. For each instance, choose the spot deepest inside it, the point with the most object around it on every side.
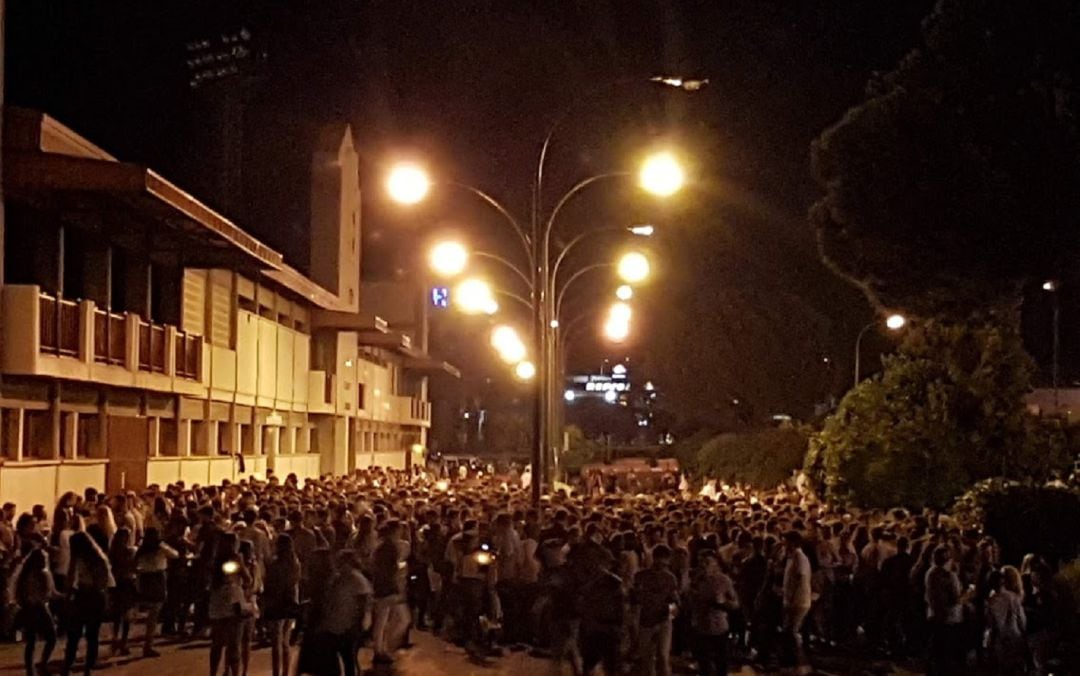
(110, 337)
(151, 347)
(188, 355)
(420, 409)
(59, 326)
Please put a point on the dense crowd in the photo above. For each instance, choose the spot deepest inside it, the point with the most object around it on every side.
(622, 580)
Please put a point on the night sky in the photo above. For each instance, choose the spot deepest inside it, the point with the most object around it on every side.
(471, 87)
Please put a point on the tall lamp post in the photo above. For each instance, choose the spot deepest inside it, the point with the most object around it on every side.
(661, 175)
(893, 322)
(1052, 286)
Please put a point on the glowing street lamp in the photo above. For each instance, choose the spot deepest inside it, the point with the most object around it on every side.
(633, 267)
(624, 292)
(508, 344)
(642, 230)
(620, 312)
(473, 296)
(448, 259)
(662, 175)
(616, 331)
(408, 184)
(686, 84)
(525, 370)
(893, 322)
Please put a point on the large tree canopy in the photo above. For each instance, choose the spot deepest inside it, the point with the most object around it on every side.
(956, 179)
(946, 411)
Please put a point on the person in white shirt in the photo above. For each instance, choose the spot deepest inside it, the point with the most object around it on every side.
(797, 600)
(1006, 623)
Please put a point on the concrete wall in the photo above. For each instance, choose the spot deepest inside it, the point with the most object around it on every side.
(41, 482)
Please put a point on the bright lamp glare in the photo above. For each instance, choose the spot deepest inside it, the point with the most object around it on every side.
(633, 267)
(624, 292)
(610, 396)
(525, 370)
(642, 230)
(408, 184)
(895, 322)
(448, 259)
(569, 395)
(616, 331)
(662, 175)
(473, 296)
(620, 312)
(506, 342)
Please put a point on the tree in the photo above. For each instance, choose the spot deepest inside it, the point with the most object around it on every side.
(955, 180)
(946, 411)
(581, 451)
(764, 458)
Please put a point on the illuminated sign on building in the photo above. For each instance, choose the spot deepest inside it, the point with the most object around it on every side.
(440, 296)
(593, 386)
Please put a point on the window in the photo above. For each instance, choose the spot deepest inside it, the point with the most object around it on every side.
(10, 433)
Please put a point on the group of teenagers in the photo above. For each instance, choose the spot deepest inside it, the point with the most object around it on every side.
(626, 582)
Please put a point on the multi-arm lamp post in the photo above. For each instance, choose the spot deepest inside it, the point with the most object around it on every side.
(661, 175)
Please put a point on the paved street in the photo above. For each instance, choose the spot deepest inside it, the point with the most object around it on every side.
(430, 657)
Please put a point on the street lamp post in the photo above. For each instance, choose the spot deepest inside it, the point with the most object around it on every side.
(660, 175)
(1052, 287)
(893, 322)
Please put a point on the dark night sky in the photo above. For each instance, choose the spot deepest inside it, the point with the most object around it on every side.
(472, 86)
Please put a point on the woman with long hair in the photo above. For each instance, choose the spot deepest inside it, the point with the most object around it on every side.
(226, 608)
(122, 598)
(33, 589)
(89, 579)
(281, 601)
(105, 520)
(151, 563)
(178, 594)
(252, 585)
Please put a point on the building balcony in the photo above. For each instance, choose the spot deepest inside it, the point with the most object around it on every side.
(412, 411)
(48, 336)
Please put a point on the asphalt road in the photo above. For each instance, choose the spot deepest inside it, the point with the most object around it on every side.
(430, 656)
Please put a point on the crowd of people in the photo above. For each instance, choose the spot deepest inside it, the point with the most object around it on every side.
(624, 581)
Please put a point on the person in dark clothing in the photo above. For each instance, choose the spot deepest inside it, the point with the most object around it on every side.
(655, 597)
(33, 590)
(89, 578)
(601, 603)
(895, 595)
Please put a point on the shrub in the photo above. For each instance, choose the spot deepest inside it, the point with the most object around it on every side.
(764, 458)
(1025, 518)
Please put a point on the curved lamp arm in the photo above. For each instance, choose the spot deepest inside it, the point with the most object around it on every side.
(522, 235)
(573, 278)
(507, 264)
(578, 187)
(518, 298)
